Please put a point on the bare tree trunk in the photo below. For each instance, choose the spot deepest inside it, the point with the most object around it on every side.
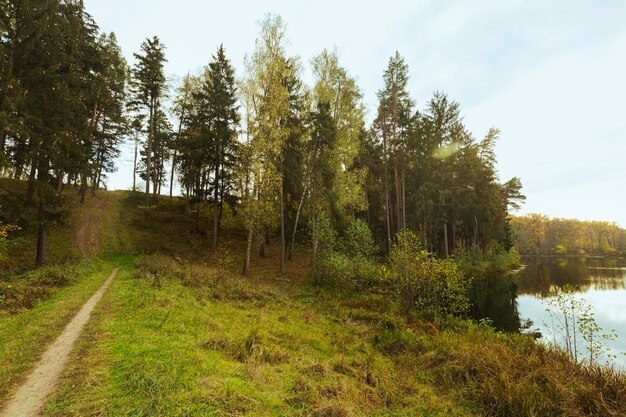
(246, 261)
(445, 230)
(295, 226)
(135, 165)
(30, 190)
(5, 96)
(41, 245)
(83, 187)
(367, 204)
(387, 200)
(396, 177)
(282, 227)
(314, 231)
(149, 155)
(215, 195)
(172, 177)
(445, 237)
(42, 179)
(59, 186)
(403, 201)
(475, 231)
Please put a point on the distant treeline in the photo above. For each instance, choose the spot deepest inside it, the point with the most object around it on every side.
(536, 234)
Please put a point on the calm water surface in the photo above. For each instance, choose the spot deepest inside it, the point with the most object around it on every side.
(512, 300)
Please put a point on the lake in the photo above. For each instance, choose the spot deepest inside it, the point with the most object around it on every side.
(511, 300)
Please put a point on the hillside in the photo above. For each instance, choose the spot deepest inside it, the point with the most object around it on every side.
(181, 332)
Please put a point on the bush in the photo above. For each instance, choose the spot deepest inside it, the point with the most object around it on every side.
(4, 233)
(358, 240)
(25, 291)
(53, 276)
(358, 272)
(326, 236)
(346, 262)
(425, 283)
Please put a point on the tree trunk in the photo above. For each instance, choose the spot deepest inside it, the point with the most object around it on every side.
(445, 239)
(403, 201)
(387, 199)
(222, 188)
(83, 187)
(5, 96)
(149, 155)
(135, 165)
(445, 231)
(215, 197)
(314, 231)
(246, 261)
(42, 179)
(172, 175)
(396, 177)
(282, 227)
(295, 226)
(41, 245)
(59, 186)
(30, 190)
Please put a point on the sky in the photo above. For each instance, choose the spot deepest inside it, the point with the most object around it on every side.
(550, 74)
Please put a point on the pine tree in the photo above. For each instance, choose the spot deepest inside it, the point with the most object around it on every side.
(223, 119)
(149, 86)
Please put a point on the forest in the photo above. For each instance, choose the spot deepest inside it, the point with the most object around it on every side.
(280, 155)
(282, 250)
(536, 234)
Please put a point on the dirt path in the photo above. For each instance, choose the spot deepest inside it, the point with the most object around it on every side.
(31, 395)
(87, 233)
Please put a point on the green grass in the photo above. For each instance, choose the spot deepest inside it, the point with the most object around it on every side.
(181, 333)
(235, 347)
(26, 335)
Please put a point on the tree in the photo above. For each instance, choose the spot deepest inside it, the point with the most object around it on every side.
(223, 118)
(394, 118)
(148, 89)
(60, 68)
(335, 88)
(267, 98)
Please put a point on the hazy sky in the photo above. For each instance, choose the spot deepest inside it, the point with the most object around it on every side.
(550, 74)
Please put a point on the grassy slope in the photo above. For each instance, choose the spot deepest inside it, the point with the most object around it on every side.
(269, 345)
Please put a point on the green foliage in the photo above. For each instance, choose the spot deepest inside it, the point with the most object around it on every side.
(5, 229)
(351, 272)
(431, 286)
(326, 236)
(536, 234)
(478, 263)
(358, 240)
(346, 261)
(25, 291)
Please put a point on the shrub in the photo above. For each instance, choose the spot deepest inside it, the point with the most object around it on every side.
(326, 236)
(25, 291)
(358, 240)
(346, 262)
(4, 233)
(52, 276)
(425, 283)
(358, 272)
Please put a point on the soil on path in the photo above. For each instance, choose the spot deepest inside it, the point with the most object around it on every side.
(31, 395)
(87, 233)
